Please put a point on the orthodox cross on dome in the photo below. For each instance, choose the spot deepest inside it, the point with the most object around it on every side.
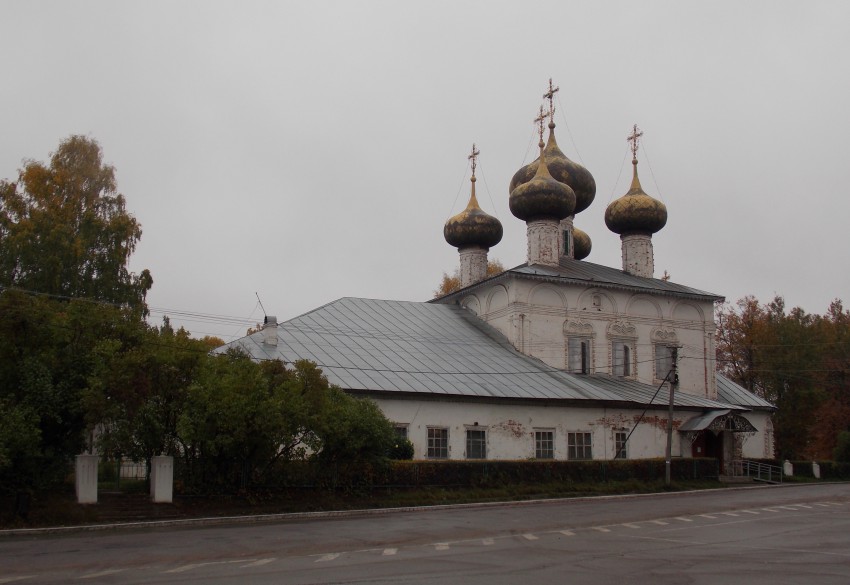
(550, 95)
(539, 121)
(474, 157)
(634, 138)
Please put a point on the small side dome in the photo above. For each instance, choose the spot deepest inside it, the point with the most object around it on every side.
(581, 244)
(472, 226)
(542, 197)
(562, 169)
(635, 212)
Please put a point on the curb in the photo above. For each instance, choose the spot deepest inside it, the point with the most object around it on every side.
(288, 516)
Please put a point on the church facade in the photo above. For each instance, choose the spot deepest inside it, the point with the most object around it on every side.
(556, 358)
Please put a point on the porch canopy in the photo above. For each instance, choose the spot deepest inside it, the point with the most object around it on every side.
(717, 421)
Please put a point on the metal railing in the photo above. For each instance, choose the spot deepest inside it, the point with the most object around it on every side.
(756, 470)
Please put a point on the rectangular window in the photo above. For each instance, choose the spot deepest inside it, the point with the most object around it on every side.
(621, 450)
(438, 443)
(621, 362)
(578, 355)
(476, 444)
(401, 431)
(578, 446)
(663, 361)
(566, 243)
(544, 444)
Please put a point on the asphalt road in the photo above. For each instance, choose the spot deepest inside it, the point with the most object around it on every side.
(790, 534)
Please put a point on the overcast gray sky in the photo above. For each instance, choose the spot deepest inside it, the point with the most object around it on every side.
(313, 150)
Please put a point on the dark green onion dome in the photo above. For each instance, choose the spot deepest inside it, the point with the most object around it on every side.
(635, 212)
(472, 226)
(542, 197)
(562, 169)
(581, 244)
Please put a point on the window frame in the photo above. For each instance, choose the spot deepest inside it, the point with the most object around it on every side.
(620, 437)
(585, 445)
(481, 442)
(585, 358)
(660, 374)
(628, 360)
(433, 448)
(540, 451)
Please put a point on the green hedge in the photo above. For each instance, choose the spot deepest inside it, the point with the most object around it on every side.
(451, 473)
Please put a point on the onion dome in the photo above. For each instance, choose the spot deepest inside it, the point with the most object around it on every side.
(562, 169)
(542, 197)
(635, 212)
(472, 226)
(581, 244)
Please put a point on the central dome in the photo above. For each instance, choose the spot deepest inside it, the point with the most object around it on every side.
(561, 169)
(542, 197)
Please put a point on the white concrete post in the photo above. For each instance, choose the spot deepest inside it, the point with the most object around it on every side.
(162, 479)
(816, 469)
(788, 468)
(85, 478)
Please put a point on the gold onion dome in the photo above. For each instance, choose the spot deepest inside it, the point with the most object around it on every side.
(635, 212)
(472, 226)
(581, 244)
(562, 169)
(542, 197)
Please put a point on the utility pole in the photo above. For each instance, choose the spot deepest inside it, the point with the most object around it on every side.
(674, 383)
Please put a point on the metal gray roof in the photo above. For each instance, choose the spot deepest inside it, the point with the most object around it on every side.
(729, 391)
(369, 345)
(590, 274)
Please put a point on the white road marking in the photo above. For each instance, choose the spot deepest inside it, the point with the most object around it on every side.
(629, 525)
(388, 552)
(709, 516)
(750, 512)
(568, 533)
(769, 510)
(822, 505)
(12, 579)
(790, 508)
(258, 563)
(683, 519)
(530, 537)
(189, 567)
(601, 529)
(804, 506)
(487, 541)
(327, 557)
(659, 522)
(730, 514)
(103, 573)
(441, 546)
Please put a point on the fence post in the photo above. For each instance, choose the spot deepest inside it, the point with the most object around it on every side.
(85, 478)
(162, 479)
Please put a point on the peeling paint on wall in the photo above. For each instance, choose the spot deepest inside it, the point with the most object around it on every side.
(509, 427)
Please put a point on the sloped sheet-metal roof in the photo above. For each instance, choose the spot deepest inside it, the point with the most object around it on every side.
(423, 348)
(732, 393)
(590, 274)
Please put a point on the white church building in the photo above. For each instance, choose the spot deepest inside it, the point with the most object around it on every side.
(557, 358)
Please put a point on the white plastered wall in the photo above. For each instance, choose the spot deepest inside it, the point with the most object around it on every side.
(510, 427)
(536, 317)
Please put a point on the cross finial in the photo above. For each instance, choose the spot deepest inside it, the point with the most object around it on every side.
(539, 121)
(634, 138)
(550, 95)
(474, 157)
